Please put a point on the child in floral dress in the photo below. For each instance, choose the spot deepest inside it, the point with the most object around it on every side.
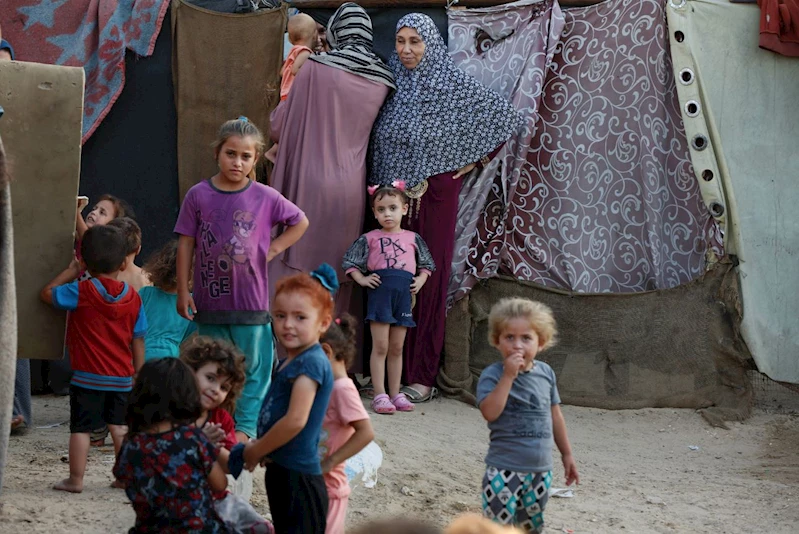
(167, 465)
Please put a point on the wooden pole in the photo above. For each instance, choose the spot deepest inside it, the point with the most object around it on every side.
(333, 4)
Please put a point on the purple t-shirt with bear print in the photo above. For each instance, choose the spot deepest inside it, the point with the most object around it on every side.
(232, 232)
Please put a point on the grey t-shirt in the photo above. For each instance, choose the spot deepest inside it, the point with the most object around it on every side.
(521, 437)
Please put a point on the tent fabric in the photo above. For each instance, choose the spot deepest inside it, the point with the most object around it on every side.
(534, 29)
(235, 6)
(8, 314)
(209, 49)
(757, 170)
(93, 34)
(671, 348)
(598, 193)
(43, 108)
(133, 152)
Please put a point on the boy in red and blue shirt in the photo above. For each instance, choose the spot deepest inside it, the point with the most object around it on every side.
(105, 340)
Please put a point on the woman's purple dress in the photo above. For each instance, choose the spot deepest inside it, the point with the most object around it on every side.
(323, 133)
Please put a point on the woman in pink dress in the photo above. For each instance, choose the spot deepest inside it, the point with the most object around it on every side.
(323, 130)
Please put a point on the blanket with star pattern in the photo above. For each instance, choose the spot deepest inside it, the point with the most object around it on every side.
(93, 34)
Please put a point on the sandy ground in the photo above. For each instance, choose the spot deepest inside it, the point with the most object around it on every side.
(638, 473)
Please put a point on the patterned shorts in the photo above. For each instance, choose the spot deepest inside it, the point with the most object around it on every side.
(512, 498)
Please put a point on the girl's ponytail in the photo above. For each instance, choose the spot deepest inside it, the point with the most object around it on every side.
(349, 327)
(162, 267)
(341, 336)
(320, 285)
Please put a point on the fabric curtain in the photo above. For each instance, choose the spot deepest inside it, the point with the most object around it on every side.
(598, 193)
(208, 50)
(93, 34)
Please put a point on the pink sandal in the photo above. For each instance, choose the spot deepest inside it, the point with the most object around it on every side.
(382, 404)
(401, 403)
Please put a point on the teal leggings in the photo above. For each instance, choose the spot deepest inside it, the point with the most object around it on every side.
(255, 342)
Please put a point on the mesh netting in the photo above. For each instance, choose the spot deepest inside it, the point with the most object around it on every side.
(677, 348)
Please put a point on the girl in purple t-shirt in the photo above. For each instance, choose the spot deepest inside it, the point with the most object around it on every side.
(393, 264)
(226, 222)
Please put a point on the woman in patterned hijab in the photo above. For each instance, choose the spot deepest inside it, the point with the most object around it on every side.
(439, 125)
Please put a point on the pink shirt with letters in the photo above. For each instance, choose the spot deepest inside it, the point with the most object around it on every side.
(391, 251)
(345, 407)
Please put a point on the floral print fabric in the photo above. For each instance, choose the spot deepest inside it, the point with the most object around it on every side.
(166, 480)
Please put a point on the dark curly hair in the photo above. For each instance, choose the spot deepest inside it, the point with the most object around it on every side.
(203, 349)
(340, 337)
(162, 267)
(165, 390)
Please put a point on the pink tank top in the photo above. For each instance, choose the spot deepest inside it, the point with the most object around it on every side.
(287, 77)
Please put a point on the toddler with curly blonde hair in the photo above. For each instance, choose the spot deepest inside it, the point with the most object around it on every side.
(519, 399)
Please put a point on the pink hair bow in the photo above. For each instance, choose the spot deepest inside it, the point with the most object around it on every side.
(396, 184)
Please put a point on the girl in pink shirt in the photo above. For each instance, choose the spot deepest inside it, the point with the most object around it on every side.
(346, 429)
(393, 264)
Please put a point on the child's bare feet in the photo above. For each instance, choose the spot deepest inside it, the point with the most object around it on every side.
(69, 485)
(118, 484)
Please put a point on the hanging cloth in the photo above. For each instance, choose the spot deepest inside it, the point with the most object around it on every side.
(779, 26)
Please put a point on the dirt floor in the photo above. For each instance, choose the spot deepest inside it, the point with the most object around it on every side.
(639, 471)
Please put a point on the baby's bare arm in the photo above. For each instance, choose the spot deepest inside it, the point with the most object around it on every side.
(298, 62)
